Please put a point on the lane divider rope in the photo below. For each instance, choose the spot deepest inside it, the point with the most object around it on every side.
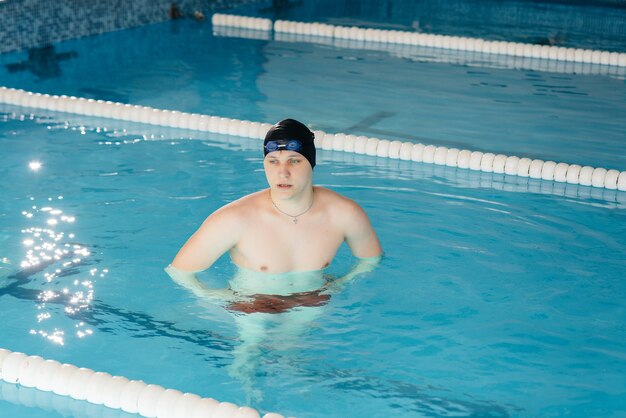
(116, 392)
(440, 155)
(516, 49)
(425, 54)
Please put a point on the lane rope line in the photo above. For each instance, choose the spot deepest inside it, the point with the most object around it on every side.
(115, 392)
(460, 43)
(431, 154)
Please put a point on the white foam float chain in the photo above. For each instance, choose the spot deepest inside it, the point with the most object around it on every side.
(453, 157)
(117, 392)
(256, 23)
(460, 43)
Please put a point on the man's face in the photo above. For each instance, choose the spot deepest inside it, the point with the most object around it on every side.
(288, 173)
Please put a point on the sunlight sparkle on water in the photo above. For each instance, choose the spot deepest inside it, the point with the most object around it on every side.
(47, 254)
(34, 165)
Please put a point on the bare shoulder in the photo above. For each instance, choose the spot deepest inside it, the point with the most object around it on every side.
(341, 208)
(243, 205)
(219, 232)
(349, 217)
(238, 210)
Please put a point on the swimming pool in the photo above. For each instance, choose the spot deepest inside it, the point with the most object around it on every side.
(498, 296)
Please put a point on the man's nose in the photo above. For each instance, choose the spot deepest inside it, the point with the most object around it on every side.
(283, 170)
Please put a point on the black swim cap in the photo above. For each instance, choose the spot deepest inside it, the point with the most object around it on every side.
(290, 129)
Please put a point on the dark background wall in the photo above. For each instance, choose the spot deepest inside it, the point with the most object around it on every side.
(31, 23)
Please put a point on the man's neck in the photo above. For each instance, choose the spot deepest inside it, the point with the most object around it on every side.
(295, 204)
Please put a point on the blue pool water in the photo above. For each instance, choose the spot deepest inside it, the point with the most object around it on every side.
(576, 118)
(570, 23)
(498, 296)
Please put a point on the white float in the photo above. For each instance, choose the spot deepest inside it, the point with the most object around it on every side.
(440, 156)
(463, 160)
(383, 148)
(486, 163)
(429, 154)
(205, 407)
(499, 163)
(560, 172)
(405, 151)
(452, 157)
(11, 367)
(45, 374)
(148, 399)
(585, 176)
(61, 380)
(475, 160)
(510, 166)
(547, 171)
(255, 23)
(112, 392)
(417, 152)
(116, 392)
(167, 402)
(523, 167)
(245, 412)
(338, 143)
(621, 181)
(225, 409)
(610, 181)
(371, 147)
(186, 404)
(78, 383)
(394, 149)
(573, 172)
(327, 141)
(535, 169)
(598, 176)
(27, 374)
(94, 393)
(360, 144)
(348, 143)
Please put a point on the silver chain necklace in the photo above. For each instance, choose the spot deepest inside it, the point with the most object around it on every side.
(294, 218)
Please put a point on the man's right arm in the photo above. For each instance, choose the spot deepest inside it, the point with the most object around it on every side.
(189, 281)
(217, 234)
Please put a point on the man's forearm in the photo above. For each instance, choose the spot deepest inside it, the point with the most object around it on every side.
(363, 265)
(188, 280)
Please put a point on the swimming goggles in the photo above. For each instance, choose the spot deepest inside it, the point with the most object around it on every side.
(284, 144)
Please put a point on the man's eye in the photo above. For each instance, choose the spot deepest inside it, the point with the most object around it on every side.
(295, 161)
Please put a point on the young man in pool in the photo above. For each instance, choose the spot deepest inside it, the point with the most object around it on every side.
(292, 226)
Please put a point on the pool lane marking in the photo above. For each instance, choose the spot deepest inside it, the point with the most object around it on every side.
(487, 162)
(426, 54)
(115, 392)
(459, 43)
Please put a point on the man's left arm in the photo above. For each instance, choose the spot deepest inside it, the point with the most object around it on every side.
(359, 234)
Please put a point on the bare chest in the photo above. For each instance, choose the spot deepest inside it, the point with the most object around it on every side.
(279, 245)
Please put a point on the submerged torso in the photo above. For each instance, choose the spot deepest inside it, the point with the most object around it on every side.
(248, 282)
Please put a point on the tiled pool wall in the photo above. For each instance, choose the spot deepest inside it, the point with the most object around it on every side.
(33, 23)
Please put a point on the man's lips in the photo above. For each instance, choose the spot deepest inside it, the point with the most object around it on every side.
(283, 186)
